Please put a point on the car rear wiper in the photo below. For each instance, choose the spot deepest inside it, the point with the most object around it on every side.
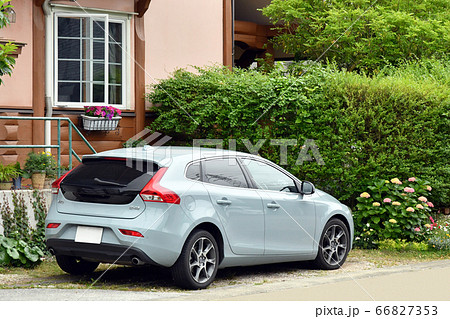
(99, 181)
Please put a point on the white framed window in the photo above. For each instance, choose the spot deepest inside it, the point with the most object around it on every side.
(90, 53)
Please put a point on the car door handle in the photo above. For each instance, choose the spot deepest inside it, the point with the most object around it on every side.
(223, 201)
(273, 205)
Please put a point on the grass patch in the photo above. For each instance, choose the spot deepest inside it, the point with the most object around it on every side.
(382, 257)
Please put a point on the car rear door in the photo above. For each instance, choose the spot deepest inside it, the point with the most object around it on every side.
(239, 207)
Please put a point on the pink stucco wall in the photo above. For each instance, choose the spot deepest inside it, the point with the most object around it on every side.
(16, 90)
(182, 33)
(177, 34)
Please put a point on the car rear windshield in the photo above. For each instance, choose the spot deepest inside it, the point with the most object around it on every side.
(107, 180)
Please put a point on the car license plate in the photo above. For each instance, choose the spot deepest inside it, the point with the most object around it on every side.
(91, 235)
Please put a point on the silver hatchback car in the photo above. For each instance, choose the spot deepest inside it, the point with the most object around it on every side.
(194, 210)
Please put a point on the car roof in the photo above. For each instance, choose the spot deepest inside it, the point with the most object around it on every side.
(163, 155)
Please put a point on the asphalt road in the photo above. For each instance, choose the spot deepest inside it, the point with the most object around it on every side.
(425, 281)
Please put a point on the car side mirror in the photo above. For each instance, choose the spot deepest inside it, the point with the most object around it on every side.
(307, 188)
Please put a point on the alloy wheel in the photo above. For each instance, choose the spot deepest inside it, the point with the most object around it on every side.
(334, 245)
(202, 260)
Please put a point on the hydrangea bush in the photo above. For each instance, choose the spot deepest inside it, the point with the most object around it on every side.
(392, 210)
(107, 112)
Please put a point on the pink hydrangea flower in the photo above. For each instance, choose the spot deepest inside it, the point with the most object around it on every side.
(429, 188)
(409, 190)
(410, 209)
(417, 229)
(430, 204)
(419, 206)
(411, 179)
(422, 199)
(387, 200)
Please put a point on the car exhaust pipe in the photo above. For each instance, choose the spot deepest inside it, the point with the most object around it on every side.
(52, 251)
(136, 261)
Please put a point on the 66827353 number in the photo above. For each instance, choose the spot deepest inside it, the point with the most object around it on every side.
(406, 310)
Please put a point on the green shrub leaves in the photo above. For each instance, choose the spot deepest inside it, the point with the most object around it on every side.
(394, 124)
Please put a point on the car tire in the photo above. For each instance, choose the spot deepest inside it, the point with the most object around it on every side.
(76, 266)
(334, 245)
(197, 265)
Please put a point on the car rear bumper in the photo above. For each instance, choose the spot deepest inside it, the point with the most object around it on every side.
(107, 253)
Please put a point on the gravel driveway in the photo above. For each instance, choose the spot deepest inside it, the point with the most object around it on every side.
(262, 282)
(159, 280)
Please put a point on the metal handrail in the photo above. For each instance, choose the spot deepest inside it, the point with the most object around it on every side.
(58, 119)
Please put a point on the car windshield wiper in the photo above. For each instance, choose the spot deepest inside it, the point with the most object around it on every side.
(99, 181)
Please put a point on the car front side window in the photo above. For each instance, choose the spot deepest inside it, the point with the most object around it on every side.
(269, 178)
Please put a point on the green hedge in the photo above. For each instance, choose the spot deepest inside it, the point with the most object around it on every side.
(395, 124)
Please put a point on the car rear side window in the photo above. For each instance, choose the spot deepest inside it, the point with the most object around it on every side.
(193, 171)
(226, 172)
(107, 181)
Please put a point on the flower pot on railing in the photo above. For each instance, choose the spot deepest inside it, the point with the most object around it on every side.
(100, 118)
(38, 180)
(100, 124)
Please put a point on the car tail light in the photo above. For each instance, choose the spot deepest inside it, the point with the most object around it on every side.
(53, 225)
(153, 192)
(57, 184)
(131, 233)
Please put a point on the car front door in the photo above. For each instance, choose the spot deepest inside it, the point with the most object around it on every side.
(289, 216)
(239, 207)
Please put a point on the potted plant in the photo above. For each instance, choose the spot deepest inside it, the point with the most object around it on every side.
(7, 173)
(17, 181)
(101, 118)
(36, 166)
